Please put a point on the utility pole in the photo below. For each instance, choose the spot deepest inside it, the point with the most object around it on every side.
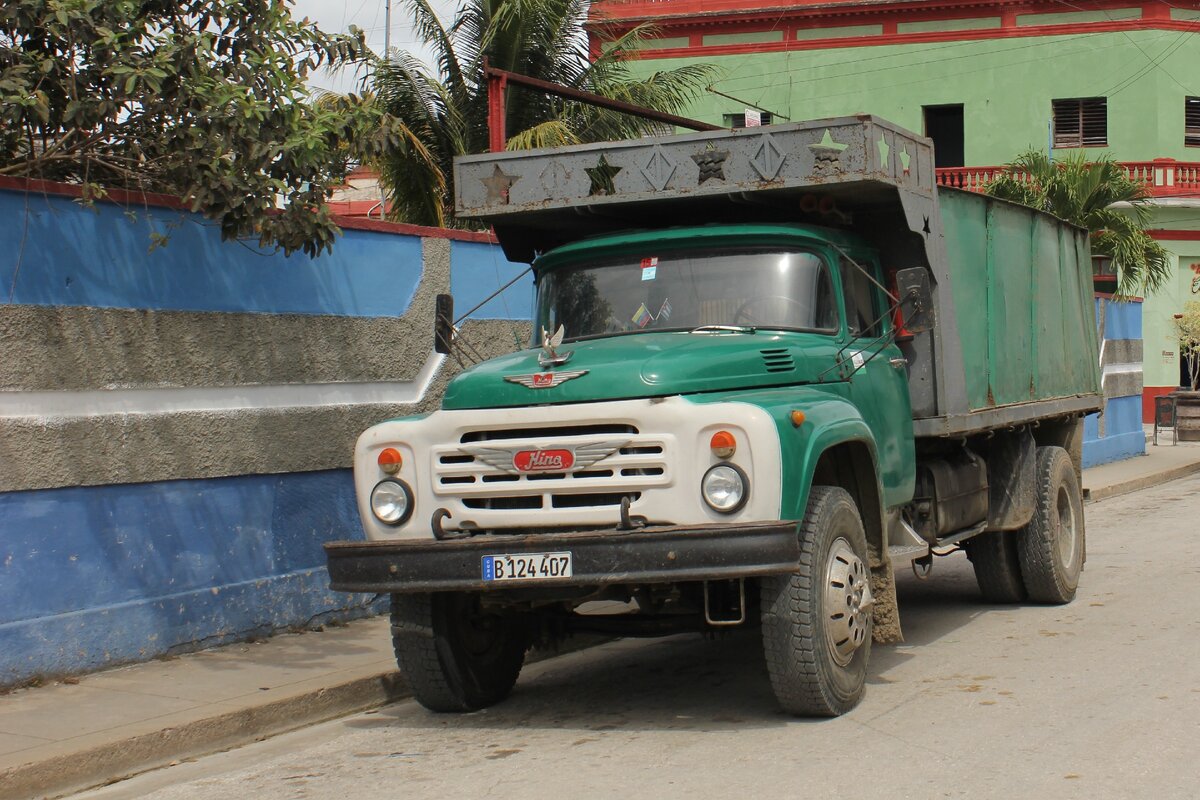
(387, 47)
(387, 27)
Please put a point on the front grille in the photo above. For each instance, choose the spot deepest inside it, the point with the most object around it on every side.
(480, 474)
(542, 433)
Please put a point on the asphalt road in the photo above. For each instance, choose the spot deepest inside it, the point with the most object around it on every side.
(1097, 699)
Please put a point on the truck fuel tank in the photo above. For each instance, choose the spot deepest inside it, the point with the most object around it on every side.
(951, 494)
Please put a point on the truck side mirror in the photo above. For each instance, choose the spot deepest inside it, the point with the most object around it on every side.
(443, 323)
(916, 299)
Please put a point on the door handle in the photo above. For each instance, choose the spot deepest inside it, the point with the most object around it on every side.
(898, 363)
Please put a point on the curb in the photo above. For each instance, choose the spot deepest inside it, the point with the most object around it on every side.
(118, 760)
(115, 761)
(1143, 482)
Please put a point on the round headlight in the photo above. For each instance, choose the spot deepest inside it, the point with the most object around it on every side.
(391, 502)
(725, 488)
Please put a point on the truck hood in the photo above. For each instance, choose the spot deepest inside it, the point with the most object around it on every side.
(645, 365)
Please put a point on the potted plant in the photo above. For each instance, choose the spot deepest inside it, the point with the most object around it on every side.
(1187, 398)
(1187, 325)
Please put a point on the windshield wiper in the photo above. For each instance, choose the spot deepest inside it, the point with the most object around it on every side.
(724, 329)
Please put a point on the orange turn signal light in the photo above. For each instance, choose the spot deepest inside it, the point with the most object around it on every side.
(390, 460)
(723, 444)
(798, 417)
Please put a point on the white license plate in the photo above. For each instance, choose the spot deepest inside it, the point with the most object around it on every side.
(527, 567)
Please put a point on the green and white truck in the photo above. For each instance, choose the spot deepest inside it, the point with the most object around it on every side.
(771, 366)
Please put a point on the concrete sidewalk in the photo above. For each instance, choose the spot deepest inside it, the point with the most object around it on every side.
(100, 728)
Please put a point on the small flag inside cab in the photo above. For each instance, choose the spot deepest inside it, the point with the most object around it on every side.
(643, 317)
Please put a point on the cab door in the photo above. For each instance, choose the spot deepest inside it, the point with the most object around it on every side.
(878, 376)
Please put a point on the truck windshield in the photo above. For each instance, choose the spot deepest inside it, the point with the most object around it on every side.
(785, 289)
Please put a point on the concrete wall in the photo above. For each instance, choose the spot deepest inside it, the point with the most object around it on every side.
(1118, 432)
(177, 422)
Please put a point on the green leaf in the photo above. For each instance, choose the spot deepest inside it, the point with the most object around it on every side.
(181, 98)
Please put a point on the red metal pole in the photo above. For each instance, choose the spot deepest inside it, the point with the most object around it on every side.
(590, 98)
(497, 82)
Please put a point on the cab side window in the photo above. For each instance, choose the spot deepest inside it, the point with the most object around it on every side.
(863, 315)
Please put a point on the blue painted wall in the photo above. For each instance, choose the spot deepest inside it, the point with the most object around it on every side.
(1121, 320)
(1124, 435)
(476, 271)
(96, 576)
(101, 575)
(62, 255)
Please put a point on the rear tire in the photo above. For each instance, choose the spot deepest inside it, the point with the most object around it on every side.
(454, 656)
(816, 623)
(997, 566)
(1052, 546)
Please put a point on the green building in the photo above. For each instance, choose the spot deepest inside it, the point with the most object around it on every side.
(984, 80)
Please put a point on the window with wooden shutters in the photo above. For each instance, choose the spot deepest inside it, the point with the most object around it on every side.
(1191, 121)
(1081, 122)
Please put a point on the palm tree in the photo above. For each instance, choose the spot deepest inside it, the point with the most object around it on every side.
(1086, 192)
(445, 114)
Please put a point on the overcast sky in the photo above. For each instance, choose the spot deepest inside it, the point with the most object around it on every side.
(336, 16)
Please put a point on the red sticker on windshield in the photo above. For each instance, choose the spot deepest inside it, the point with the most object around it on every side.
(649, 269)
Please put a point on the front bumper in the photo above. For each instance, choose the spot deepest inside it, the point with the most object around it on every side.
(646, 555)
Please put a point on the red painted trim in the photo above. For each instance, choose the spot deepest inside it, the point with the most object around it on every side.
(124, 198)
(679, 17)
(425, 232)
(115, 196)
(1176, 236)
(1148, 395)
(906, 38)
(676, 12)
(1156, 10)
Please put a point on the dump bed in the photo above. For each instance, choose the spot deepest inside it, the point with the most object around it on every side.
(1015, 339)
(1021, 281)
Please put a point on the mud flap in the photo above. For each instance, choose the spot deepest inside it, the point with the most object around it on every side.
(886, 612)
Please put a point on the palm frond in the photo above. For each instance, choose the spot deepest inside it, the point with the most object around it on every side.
(1095, 193)
(427, 25)
(552, 133)
(447, 113)
(414, 181)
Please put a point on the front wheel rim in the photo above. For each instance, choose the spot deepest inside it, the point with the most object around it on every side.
(848, 602)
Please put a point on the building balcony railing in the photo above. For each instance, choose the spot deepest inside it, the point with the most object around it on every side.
(1162, 177)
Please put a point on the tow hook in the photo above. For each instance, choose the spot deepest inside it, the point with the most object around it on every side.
(629, 521)
(440, 533)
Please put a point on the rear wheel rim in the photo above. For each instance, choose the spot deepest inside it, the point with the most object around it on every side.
(848, 602)
(1067, 534)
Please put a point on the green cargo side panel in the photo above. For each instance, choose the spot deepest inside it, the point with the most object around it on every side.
(1022, 286)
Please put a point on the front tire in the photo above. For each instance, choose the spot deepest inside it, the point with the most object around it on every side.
(455, 656)
(1052, 546)
(816, 623)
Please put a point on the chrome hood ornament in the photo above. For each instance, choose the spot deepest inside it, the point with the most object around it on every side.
(550, 357)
